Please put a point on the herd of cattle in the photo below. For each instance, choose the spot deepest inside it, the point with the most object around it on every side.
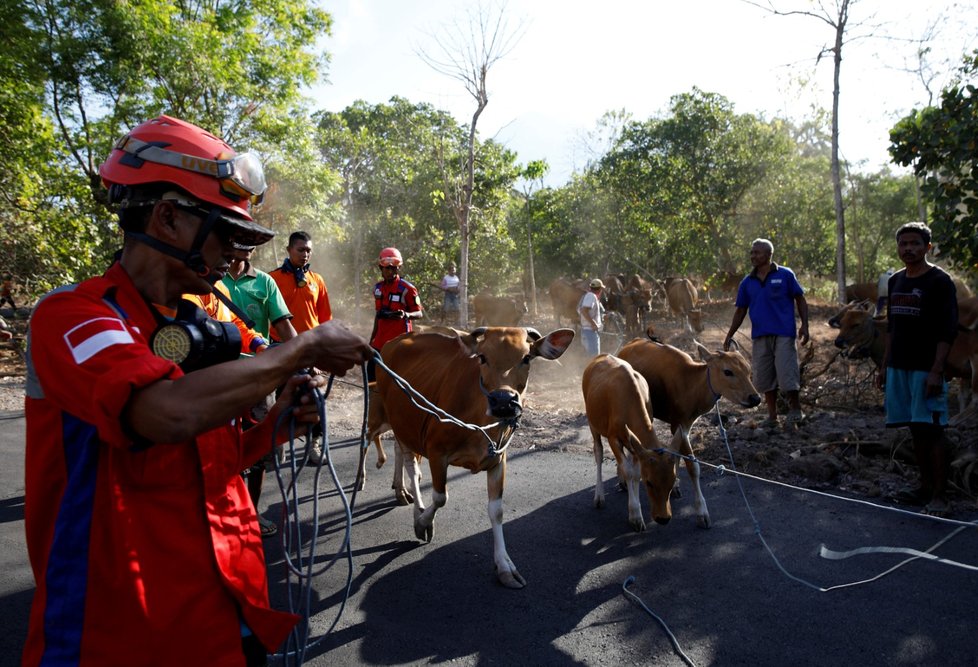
(631, 298)
(480, 378)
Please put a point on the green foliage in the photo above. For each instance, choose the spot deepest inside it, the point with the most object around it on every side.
(941, 143)
(877, 204)
(396, 162)
(679, 180)
(75, 74)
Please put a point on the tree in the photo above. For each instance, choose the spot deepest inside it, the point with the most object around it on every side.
(837, 18)
(76, 74)
(679, 179)
(391, 160)
(940, 143)
(467, 52)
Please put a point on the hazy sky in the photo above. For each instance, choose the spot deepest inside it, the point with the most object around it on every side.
(578, 59)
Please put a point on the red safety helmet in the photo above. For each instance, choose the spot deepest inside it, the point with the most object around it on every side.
(169, 150)
(390, 257)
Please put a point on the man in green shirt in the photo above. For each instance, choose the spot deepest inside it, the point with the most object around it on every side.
(258, 296)
(256, 293)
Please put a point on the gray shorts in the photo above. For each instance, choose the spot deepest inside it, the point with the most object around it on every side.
(774, 364)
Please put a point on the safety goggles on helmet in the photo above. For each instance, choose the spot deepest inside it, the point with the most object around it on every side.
(241, 175)
(388, 261)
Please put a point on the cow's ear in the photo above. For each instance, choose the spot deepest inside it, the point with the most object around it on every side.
(553, 344)
(470, 341)
(704, 353)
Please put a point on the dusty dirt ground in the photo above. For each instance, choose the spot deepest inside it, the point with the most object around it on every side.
(841, 446)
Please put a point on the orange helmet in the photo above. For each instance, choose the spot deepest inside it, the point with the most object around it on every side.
(390, 257)
(169, 150)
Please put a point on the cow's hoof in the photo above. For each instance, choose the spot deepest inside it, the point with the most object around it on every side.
(403, 498)
(380, 463)
(703, 521)
(511, 579)
(423, 532)
(361, 483)
(638, 526)
(599, 502)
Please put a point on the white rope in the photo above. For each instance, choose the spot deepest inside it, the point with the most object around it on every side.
(824, 551)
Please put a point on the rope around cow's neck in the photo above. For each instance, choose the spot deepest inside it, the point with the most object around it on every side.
(495, 447)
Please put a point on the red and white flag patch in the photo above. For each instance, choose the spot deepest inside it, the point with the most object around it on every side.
(91, 337)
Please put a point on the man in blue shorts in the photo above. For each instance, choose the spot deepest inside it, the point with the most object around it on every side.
(770, 293)
(922, 322)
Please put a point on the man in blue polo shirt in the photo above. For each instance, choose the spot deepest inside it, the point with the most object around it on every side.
(770, 294)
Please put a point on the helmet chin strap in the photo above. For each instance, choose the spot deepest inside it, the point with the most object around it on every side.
(194, 260)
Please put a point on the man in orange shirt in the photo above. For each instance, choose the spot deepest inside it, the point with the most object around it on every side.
(304, 290)
(305, 294)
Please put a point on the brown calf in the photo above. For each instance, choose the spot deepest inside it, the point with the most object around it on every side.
(479, 378)
(681, 389)
(616, 399)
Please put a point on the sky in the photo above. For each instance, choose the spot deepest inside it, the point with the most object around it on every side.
(575, 60)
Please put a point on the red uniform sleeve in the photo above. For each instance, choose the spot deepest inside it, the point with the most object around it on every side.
(89, 361)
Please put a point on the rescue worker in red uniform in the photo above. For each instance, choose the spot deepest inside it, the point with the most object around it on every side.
(143, 541)
(396, 302)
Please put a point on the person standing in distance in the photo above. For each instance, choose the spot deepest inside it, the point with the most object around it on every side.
(396, 304)
(922, 323)
(142, 539)
(449, 285)
(590, 310)
(771, 293)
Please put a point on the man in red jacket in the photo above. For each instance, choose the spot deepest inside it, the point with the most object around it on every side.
(143, 541)
(396, 303)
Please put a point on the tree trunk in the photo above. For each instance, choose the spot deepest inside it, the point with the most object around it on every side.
(529, 268)
(840, 221)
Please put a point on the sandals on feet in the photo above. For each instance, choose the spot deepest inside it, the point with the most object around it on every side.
(937, 507)
(268, 528)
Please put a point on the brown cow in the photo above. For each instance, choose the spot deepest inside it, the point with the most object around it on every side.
(682, 302)
(968, 312)
(479, 378)
(861, 336)
(497, 311)
(637, 303)
(862, 292)
(613, 293)
(616, 399)
(565, 294)
(682, 389)
(377, 419)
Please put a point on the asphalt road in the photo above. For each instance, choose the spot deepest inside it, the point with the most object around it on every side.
(718, 590)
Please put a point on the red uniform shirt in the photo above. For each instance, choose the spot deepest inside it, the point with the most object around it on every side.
(398, 294)
(143, 554)
(308, 304)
